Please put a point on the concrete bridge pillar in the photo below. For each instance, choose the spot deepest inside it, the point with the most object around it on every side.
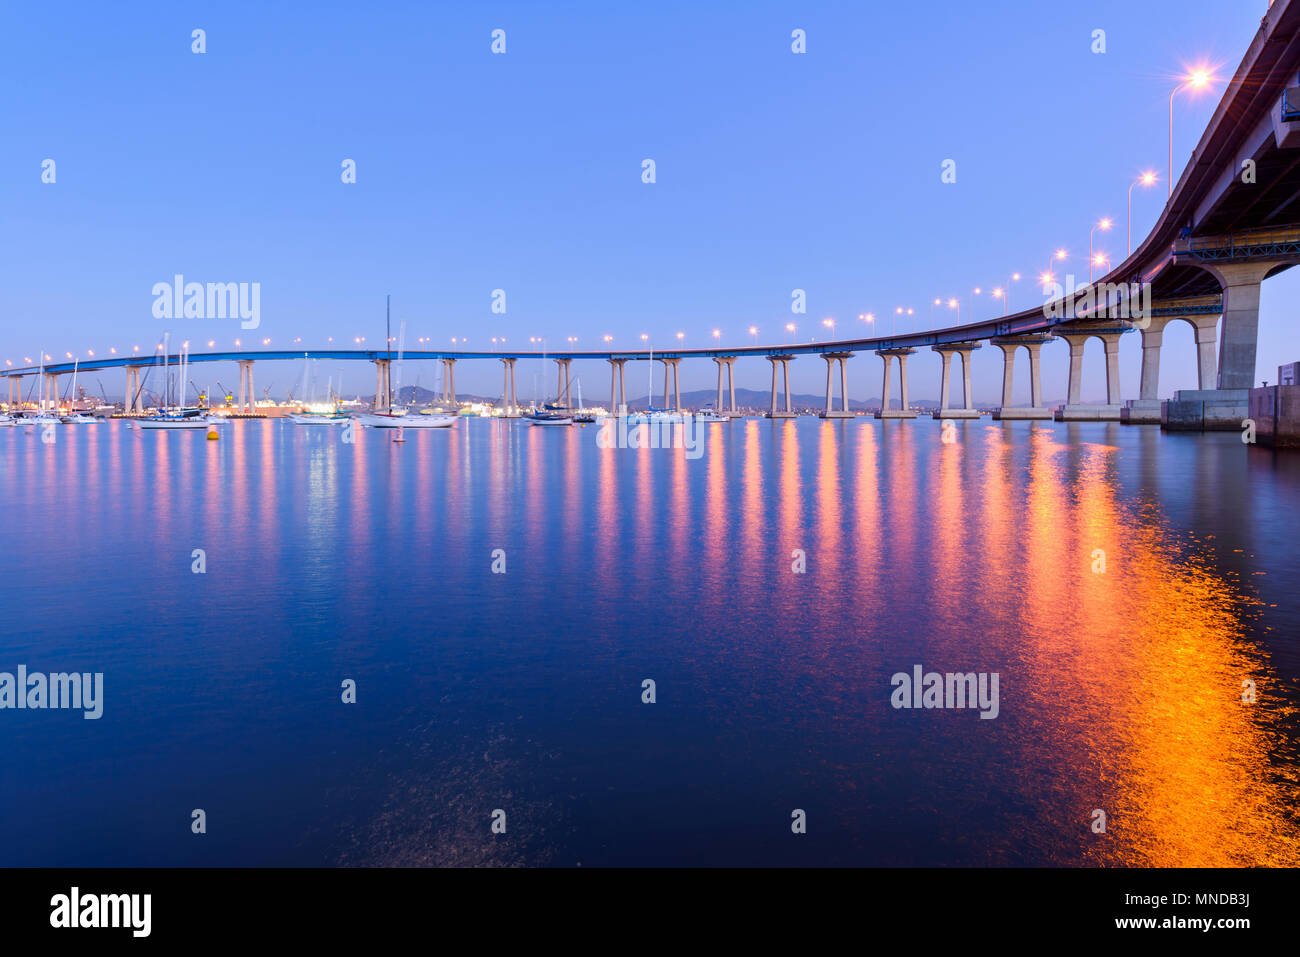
(247, 397)
(382, 384)
(562, 381)
(617, 387)
(1010, 345)
(132, 395)
(1152, 339)
(967, 409)
(510, 408)
(672, 364)
(1205, 329)
(1240, 334)
(831, 359)
(886, 400)
(786, 412)
(449, 381)
(1077, 335)
(729, 362)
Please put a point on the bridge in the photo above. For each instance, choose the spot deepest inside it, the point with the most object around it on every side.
(1232, 221)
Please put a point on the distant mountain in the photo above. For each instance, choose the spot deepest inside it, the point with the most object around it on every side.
(758, 400)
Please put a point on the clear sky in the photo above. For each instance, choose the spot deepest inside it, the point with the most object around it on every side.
(523, 171)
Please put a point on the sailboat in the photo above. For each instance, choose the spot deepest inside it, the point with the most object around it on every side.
(43, 415)
(652, 414)
(178, 417)
(582, 416)
(74, 417)
(396, 417)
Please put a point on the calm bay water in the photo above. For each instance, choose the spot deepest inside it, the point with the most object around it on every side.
(521, 691)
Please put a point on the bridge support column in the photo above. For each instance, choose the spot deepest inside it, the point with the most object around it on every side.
(562, 381)
(784, 363)
(967, 409)
(247, 397)
(449, 381)
(1033, 344)
(1145, 409)
(1240, 334)
(382, 384)
(510, 408)
(1077, 335)
(729, 363)
(831, 359)
(886, 400)
(617, 387)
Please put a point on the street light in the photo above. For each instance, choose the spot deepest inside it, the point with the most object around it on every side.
(1199, 80)
(1146, 179)
(1104, 225)
(1048, 277)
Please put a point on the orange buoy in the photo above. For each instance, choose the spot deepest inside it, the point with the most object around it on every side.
(213, 434)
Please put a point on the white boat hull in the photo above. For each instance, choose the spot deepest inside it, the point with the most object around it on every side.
(319, 419)
(378, 420)
(195, 422)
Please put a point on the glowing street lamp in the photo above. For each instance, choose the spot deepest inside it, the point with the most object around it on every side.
(1146, 179)
(753, 331)
(1104, 225)
(1198, 80)
(956, 304)
(790, 328)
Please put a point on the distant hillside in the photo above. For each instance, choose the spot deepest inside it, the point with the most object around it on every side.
(756, 399)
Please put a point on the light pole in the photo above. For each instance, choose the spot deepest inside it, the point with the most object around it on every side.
(753, 331)
(1197, 81)
(1104, 225)
(1146, 179)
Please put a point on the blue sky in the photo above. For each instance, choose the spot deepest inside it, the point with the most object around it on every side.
(522, 171)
